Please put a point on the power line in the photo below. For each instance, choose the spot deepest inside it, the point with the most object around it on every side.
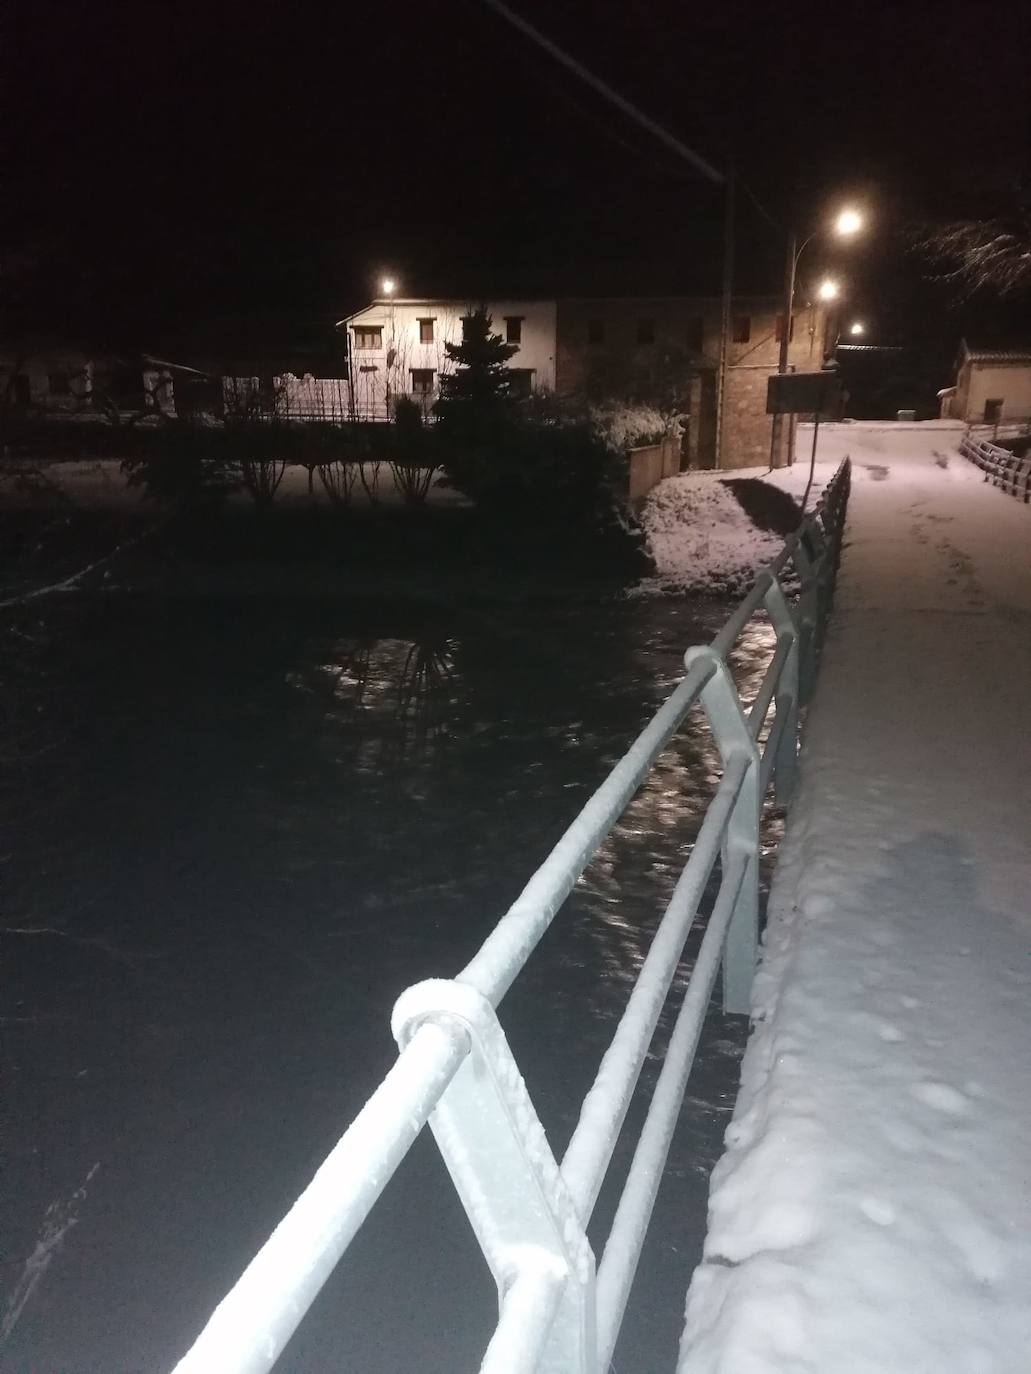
(595, 82)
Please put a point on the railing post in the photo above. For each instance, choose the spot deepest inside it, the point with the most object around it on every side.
(807, 615)
(510, 1185)
(786, 696)
(730, 730)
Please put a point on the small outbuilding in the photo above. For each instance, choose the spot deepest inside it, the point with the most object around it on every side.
(993, 386)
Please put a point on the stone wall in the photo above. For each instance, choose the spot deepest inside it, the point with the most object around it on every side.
(650, 464)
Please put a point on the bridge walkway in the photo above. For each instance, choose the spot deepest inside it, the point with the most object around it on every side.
(872, 1213)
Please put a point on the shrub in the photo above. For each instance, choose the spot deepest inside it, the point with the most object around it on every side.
(183, 463)
(562, 469)
(626, 426)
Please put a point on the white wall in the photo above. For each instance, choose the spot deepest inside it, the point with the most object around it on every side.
(1010, 382)
(390, 366)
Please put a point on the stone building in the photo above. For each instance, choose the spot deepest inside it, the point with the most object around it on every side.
(665, 350)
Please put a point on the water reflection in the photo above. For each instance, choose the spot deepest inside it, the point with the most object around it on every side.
(291, 811)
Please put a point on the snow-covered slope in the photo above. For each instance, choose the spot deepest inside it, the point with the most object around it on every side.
(700, 536)
(872, 1214)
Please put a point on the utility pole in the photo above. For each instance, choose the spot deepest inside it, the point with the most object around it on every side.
(728, 289)
(790, 265)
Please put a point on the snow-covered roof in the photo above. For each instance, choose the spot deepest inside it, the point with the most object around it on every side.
(996, 355)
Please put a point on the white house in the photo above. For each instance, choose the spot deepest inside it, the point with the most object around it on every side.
(396, 348)
(993, 386)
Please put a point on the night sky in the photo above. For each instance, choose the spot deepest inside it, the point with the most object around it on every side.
(172, 162)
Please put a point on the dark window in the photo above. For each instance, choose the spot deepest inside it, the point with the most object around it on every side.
(367, 368)
(368, 336)
(645, 331)
(466, 321)
(992, 412)
(696, 334)
(59, 384)
(520, 382)
(422, 381)
(779, 331)
(22, 389)
(513, 329)
(742, 328)
(426, 331)
(595, 331)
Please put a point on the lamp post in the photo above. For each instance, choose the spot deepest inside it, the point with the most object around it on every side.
(388, 286)
(848, 223)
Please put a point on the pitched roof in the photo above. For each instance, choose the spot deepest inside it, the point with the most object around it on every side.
(1010, 354)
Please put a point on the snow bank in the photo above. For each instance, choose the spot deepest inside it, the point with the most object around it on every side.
(703, 541)
(700, 537)
(872, 1214)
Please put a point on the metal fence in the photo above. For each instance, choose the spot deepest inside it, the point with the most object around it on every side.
(559, 1311)
(1001, 467)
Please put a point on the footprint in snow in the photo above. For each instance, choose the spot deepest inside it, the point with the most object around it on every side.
(941, 1097)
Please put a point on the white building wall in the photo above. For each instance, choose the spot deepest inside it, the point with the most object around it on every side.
(378, 375)
(1008, 382)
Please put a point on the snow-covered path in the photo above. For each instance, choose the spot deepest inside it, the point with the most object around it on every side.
(872, 1214)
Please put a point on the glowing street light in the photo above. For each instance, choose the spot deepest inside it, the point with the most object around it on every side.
(828, 290)
(857, 329)
(848, 222)
(388, 286)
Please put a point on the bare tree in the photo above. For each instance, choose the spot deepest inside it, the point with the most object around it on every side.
(992, 254)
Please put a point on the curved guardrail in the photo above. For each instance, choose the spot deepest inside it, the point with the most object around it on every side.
(558, 1311)
(1001, 467)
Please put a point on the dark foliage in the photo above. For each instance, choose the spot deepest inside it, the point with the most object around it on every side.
(476, 398)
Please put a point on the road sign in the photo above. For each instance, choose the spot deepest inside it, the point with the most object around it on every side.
(804, 393)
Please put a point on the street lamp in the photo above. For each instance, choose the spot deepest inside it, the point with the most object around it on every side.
(857, 329)
(388, 286)
(828, 290)
(847, 223)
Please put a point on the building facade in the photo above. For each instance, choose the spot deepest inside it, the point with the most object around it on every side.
(666, 351)
(660, 350)
(397, 348)
(993, 386)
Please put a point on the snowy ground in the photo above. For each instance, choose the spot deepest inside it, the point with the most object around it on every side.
(100, 483)
(702, 539)
(872, 1214)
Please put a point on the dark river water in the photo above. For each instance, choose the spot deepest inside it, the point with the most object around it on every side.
(236, 830)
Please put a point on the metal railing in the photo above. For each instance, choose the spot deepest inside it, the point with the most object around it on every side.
(1001, 467)
(558, 1311)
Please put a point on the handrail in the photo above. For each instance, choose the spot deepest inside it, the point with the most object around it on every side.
(456, 1071)
(1001, 467)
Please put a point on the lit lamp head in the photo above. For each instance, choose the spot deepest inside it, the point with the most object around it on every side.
(388, 286)
(828, 290)
(857, 329)
(848, 222)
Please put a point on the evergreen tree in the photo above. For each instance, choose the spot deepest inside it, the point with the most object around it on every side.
(475, 399)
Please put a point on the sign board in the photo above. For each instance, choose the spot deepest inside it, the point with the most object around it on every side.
(804, 393)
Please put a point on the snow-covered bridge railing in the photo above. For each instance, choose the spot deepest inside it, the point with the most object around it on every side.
(1000, 466)
(557, 1312)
